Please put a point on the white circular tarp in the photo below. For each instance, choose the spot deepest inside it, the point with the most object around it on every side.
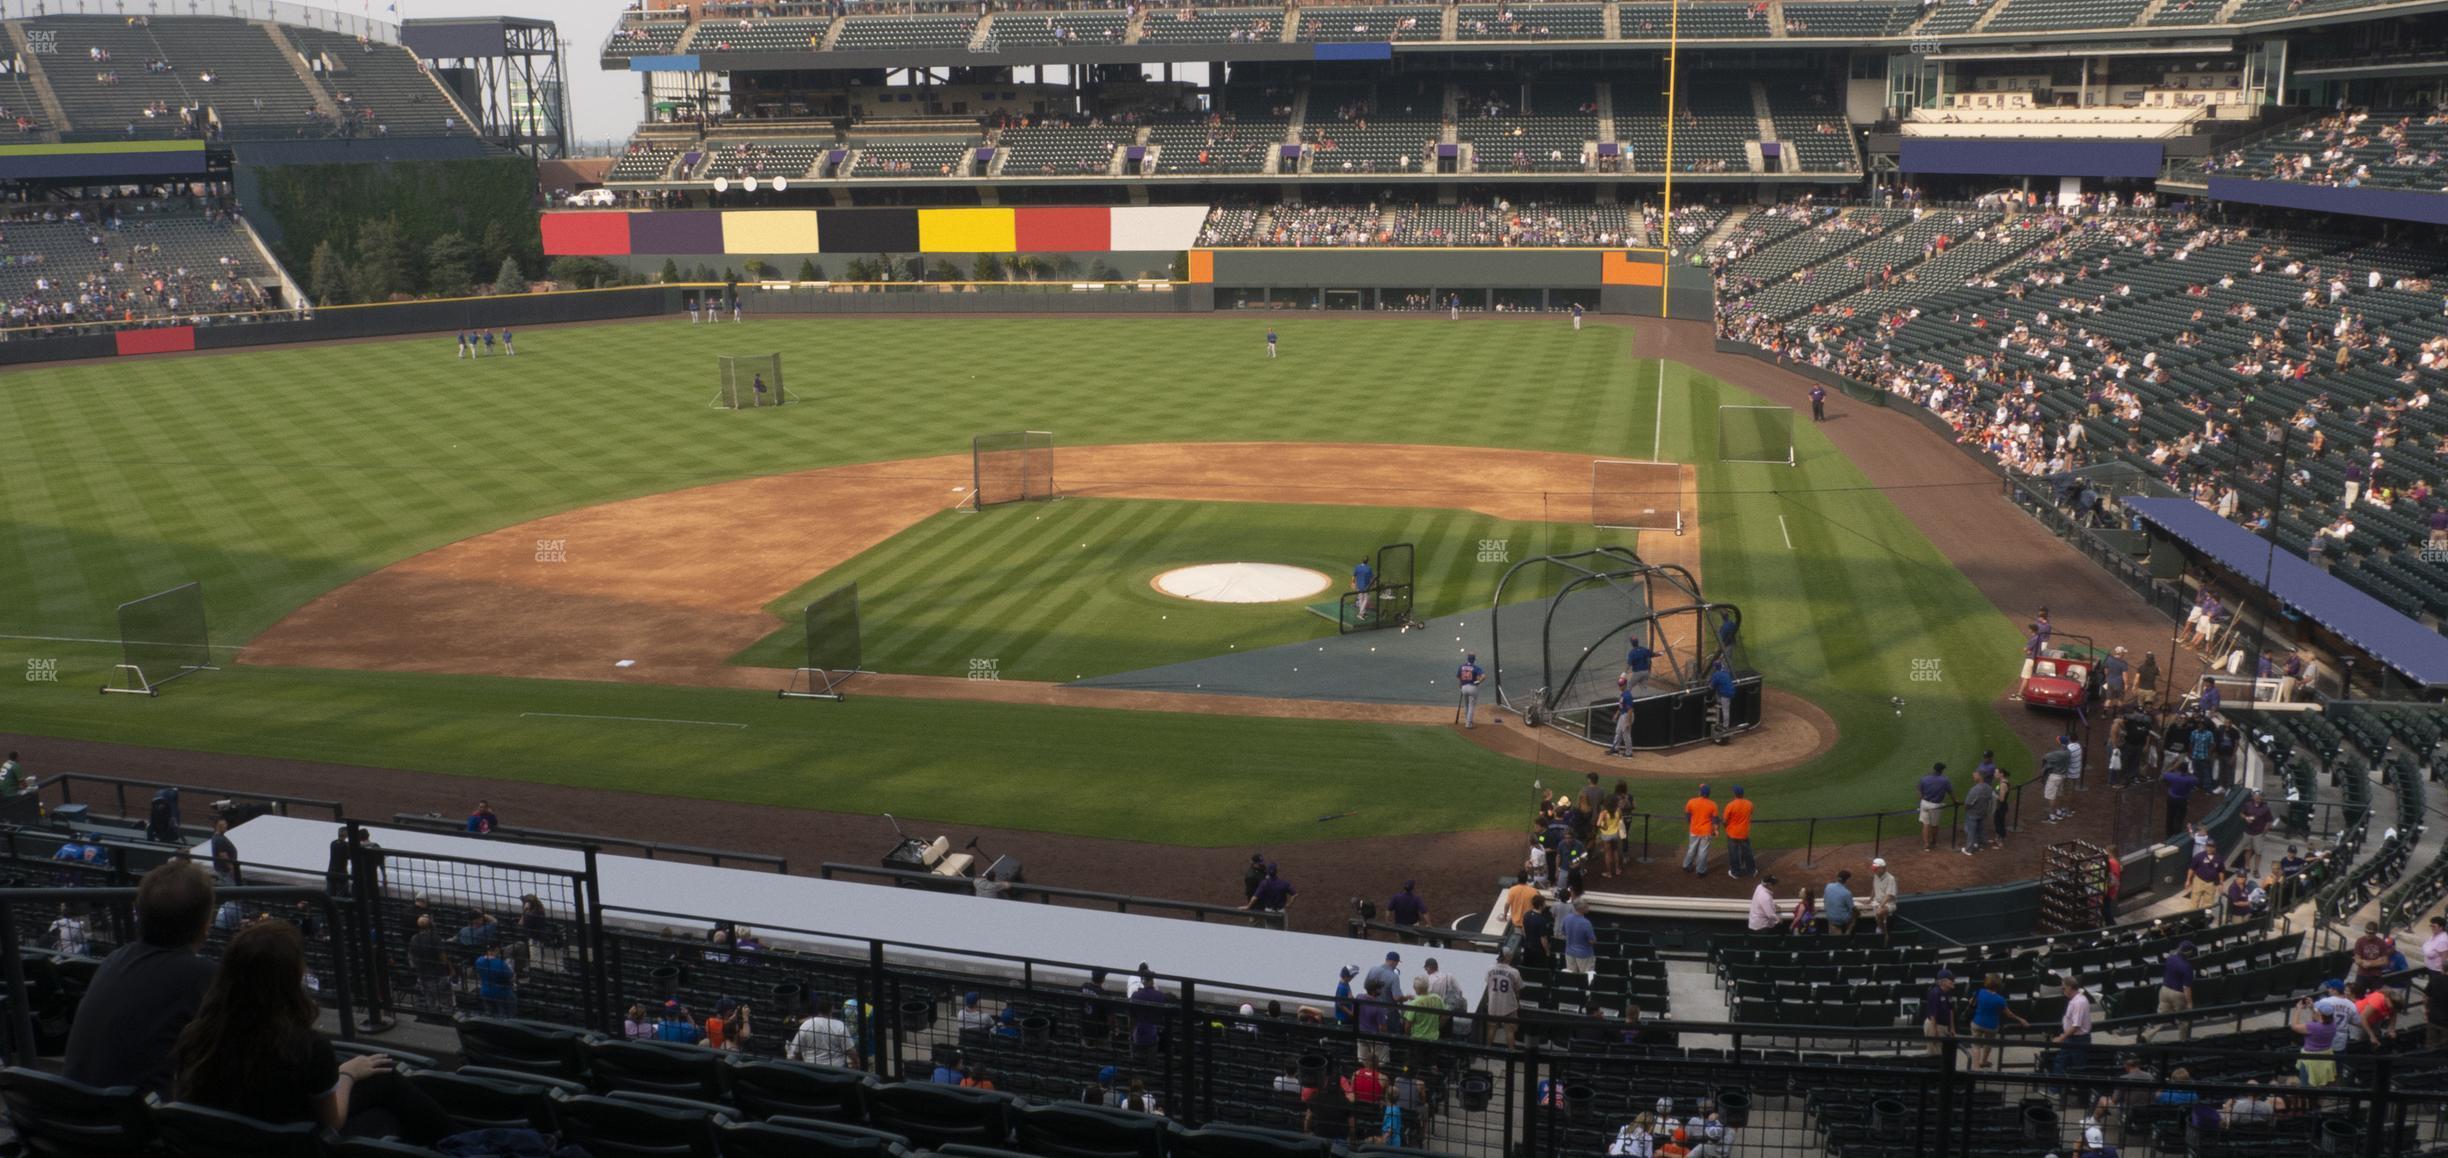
(1242, 582)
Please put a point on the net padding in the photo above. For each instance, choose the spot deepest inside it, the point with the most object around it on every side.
(833, 631)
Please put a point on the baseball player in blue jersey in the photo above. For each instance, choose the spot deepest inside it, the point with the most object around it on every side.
(1637, 663)
(1466, 680)
(1576, 311)
(463, 344)
(1270, 341)
(1364, 581)
(1721, 681)
(507, 348)
(488, 340)
(1622, 743)
(1453, 303)
(758, 385)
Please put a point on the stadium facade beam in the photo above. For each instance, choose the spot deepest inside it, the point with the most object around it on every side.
(509, 70)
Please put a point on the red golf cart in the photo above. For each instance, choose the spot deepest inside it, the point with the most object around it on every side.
(2065, 677)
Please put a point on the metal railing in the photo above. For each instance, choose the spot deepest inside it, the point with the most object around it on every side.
(649, 849)
(1049, 894)
(1577, 1078)
(1851, 828)
(117, 789)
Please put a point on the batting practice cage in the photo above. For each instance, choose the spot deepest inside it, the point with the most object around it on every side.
(1012, 467)
(1387, 602)
(1636, 496)
(161, 637)
(832, 647)
(1755, 434)
(1563, 628)
(750, 381)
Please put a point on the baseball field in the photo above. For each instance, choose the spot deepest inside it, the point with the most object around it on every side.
(418, 562)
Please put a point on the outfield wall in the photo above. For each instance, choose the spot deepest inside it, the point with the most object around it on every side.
(1637, 282)
(1604, 281)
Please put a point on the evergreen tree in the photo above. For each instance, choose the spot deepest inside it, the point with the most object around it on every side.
(450, 264)
(326, 277)
(509, 280)
(383, 267)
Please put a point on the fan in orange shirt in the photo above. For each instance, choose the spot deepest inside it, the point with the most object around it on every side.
(1702, 812)
(1738, 836)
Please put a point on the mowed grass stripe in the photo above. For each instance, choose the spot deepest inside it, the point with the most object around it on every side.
(1135, 539)
(591, 414)
(959, 578)
(1055, 592)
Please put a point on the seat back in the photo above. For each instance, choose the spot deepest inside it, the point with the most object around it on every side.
(936, 1116)
(1076, 1130)
(191, 1131)
(58, 1118)
(788, 1137)
(767, 1089)
(622, 1128)
(1248, 1142)
(545, 1082)
(402, 1058)
(486, 1103)
(528, 1046)
(381, 1148)
(655, 1067)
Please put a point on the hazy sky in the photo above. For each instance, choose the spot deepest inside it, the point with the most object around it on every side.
(603, 105)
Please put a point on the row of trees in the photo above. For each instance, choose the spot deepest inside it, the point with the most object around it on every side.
(381, 262)
(372, 232)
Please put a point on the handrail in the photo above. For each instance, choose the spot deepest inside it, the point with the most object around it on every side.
(120, 784)
(1430, 935)
(1048, 894)
(1810, 824)
(434, 822)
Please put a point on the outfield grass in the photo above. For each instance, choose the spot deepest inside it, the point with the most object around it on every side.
(1063, 591)
(1223, 780)
(274, 476)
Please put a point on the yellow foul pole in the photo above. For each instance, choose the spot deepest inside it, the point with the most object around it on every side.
(1674, 43)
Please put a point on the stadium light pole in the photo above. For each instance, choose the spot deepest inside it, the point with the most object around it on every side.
(1674, 43)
